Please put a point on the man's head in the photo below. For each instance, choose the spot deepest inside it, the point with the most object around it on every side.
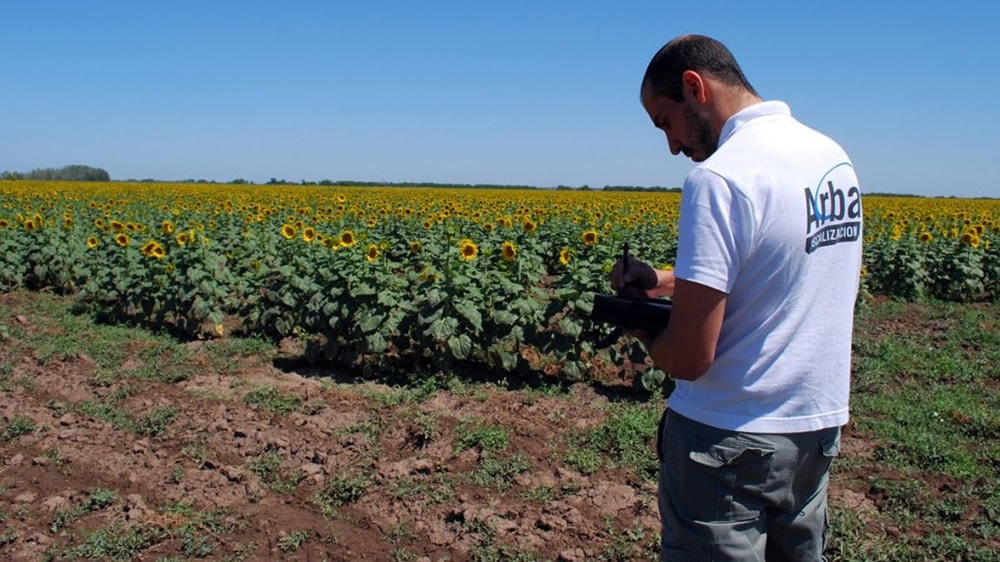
(691, 87)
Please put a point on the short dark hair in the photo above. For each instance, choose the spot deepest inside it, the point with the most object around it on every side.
(691, 52)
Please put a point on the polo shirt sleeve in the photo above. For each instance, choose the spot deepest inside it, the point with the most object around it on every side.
(715, 230)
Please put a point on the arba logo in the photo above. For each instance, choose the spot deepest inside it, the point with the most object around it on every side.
(834, 215)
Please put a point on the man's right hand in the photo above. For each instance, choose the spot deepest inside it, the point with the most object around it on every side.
(632, 279)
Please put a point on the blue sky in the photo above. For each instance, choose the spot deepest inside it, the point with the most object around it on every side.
(517, 92)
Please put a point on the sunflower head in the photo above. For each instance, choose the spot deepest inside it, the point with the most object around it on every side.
(167, 227)
(347, 239)
(308, 234)
(415, 247)
(372, 254)
(589, 237)
(122, 239)
(288, 231)
(93, 242)
(467, 250)
(926, 237)
(508, 251)
(565, 256)
(529, 225)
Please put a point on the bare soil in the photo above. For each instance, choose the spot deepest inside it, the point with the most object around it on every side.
(399, 483)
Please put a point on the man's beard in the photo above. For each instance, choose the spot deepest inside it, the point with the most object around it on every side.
(702, 138)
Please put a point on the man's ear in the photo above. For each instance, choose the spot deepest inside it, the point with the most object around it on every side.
(694, 87)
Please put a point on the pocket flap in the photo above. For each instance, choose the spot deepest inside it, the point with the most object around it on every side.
(725, 453)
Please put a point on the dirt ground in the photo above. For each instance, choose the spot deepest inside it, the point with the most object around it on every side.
(411, 497)
(401, 485)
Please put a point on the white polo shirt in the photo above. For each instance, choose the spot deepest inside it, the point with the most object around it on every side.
(773, 218)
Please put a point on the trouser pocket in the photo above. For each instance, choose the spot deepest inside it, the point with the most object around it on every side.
(726, 478)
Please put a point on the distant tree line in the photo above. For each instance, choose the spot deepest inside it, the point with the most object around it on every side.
(73, 172)
(78, 172)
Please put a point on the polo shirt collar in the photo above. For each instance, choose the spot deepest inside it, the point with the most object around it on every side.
(747, 114)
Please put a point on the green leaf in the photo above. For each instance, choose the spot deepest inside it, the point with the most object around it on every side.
(376, 342)
(460, 346)
(508, 360)
(388, 299)
(504, 317)
(567, 293)
(363, 290)
(570, 327)
(442, 328)
(470, 313)
(370, 322)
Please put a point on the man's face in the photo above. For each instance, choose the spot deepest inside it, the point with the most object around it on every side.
(687, 131)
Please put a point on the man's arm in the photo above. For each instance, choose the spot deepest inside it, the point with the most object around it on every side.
(686, 349)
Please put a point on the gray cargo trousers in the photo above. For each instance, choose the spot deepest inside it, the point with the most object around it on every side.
(727, 495)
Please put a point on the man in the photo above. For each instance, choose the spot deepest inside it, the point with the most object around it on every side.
(759, 340)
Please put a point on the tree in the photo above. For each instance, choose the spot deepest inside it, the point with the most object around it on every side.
(73, 172)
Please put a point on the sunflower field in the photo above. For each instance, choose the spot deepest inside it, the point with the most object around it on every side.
(410, 279)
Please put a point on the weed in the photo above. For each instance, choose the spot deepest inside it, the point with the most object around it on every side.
(197, 452)
(269, 398)
(342, 490)
(156, 422)
(402, 555)
(542, 494)
(98, 499)
(486, 438)
(54, 457)
(116, 543)
(267, 467)
(292, 541)
(17, 427)
(499, 473)
(624, 439)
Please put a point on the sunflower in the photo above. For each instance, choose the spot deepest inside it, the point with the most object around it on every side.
(971, 239)
(589, 237)
(428, 274)
(926, 237)
(288, 231)
(122, 239)
(467, 249)
(508, 251)
(152, 249)
(372, 222)
(30, 225)
(93, 242)
(565, 256)
(184, 238)
(167, 227)
(309, 234)
(488, 226)
(117, 226)
(347, 239)
(372, 254)
(529, 225)
(427, 224)
(415, 246)
(4, 223)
